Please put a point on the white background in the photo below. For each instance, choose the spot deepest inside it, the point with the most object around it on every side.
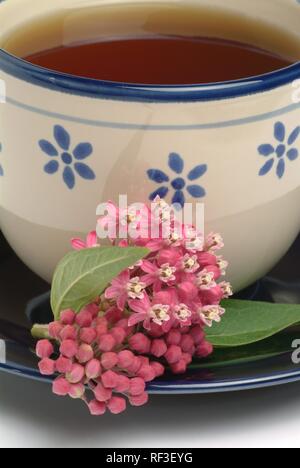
(31, 417)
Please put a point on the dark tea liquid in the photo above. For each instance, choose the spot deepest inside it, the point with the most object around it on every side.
(161, 60)
(154, 43)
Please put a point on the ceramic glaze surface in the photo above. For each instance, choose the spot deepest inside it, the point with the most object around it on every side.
(68, 145)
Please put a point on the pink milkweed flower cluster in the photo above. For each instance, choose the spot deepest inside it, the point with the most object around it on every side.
(178, 284)
(151, 317)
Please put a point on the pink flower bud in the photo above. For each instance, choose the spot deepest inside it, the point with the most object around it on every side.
(44, 349)
(204, 350)
(197, 334)
(77, 391)
(174, 354)
(156, 331)
(119, 334)
(76, 374)
(84, 319)
(147, 373)
(144, 360)
(187, 344)
(85, 353)
(97, 408)
(116, 405)
(69, 332)
(140, 343)
(101, 321)
(126, 359)
(61, 386)
(107, 342)
(158, 348)
(54, 329)
(173, 337)
(170, 256)
(88, 335)
(69, 348)
(187, 291)
(92, 308)
(135, 366)
(205, 259)
(47, 366)
(212, 296)
(137, 386)
(113, 314)
(139, 400)
(187, 358)
(102, 326)
(93, 369)
(123, 384)
(101, 393)
(63, 365)
(67, 317)
(123, 323)
(109, 360)
(179, 367)
(110, 379)
(158, 368)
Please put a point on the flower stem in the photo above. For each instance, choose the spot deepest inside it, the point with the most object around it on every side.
(40, 331)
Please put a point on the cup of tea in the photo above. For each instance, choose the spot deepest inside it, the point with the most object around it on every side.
(194, 101)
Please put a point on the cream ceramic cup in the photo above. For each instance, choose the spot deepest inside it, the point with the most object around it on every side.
(69, 143)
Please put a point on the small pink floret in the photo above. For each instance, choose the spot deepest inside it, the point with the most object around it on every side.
(77, 391)
(109, 360)
(63, 365)
(61, 386)
(85, 353)
(69, 348)
(137, 386)
(119, 334)
(76, 374)
(54, 329)
(116, 405)
(173, 337)
(44, 349)
(123, 384)
(174, 354)
(139, 400)
(158, 348)
(101, 393)
(140, 343)
(97, 408)
(204, 350)
(107, 342)
(47, 366)
(109, 379)
(67, 317)
(147, 373)
(88, 335)
(84, 318)
(69, 332)
(158, 368)
(93, 369)
(125, 358)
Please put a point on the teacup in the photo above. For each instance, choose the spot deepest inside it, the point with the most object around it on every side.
(125, 130)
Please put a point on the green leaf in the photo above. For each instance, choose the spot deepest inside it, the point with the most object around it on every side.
(270, 347)
(247, 322)
(82, 275)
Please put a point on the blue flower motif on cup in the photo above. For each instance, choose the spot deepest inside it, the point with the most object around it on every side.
(1, 168)
(283, 151)
(178, 183)
(70, 161)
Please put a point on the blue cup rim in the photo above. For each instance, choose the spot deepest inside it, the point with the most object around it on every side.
(100, 89)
